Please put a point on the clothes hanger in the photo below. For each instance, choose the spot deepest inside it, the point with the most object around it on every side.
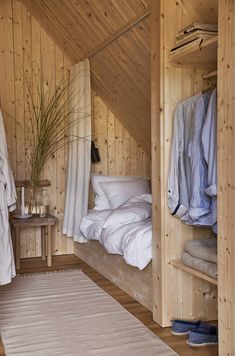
(204, 91)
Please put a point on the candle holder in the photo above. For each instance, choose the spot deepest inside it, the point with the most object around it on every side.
(37, 197)
(22, 206)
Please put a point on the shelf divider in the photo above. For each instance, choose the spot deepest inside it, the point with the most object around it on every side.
(179, 264)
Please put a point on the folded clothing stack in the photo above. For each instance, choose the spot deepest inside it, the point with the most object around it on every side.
(201, 254)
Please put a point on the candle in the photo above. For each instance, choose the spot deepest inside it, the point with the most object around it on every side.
(42, 212)
(22, 201)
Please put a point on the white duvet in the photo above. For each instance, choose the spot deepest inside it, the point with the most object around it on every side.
(126, 230)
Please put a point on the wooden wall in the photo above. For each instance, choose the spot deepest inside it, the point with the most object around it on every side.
(176, 294)
(121, 70)
(26, 48)
(119, 152)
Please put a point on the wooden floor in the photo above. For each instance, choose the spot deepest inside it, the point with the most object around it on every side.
(177, 343)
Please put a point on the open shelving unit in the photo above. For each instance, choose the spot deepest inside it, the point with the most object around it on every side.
(179, 264)
(178, 290)
(201, 53)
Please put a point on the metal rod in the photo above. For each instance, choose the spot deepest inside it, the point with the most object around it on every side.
(117, 34)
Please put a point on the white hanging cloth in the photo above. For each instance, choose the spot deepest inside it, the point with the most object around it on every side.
(79, 155)
(7, 203)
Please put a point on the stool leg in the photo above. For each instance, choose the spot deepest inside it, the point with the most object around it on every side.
(17, 238)
(43, 242)
(49, 246)
(13, 237)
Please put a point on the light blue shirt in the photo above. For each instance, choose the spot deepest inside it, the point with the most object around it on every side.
(192, 173)
(209, 142)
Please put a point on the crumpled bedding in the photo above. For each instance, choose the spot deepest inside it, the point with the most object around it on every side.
(126, 230)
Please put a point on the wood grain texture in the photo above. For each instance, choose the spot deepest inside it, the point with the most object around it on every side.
(193, 271)
(121, 70)
(23, 51)
(199, 53)
(119, 152)
(176, 294)
(23, 47)
(177, 343)
(136, 283)
(226, 178)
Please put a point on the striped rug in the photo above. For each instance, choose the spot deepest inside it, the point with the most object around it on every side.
(65, 313)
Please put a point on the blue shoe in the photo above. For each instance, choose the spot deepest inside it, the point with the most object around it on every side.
(203, 336)
(182, 327)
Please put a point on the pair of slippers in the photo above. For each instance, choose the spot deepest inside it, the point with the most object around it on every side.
(199, 333)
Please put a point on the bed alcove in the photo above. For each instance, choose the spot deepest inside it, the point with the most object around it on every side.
(135, 89)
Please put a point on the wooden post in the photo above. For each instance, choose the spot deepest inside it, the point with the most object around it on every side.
(226, 179)
(156, 157)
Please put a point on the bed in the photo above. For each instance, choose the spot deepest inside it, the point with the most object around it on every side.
(125, 230)
(119, 234)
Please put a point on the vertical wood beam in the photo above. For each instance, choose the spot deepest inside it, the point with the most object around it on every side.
(226, 178)
(156, 127)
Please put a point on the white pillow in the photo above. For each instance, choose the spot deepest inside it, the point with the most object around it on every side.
(119, 192)
(101, 201)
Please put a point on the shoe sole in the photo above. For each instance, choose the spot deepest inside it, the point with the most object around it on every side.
(179, 334)
(201, 345)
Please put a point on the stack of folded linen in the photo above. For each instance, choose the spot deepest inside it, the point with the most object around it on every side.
(202, 255)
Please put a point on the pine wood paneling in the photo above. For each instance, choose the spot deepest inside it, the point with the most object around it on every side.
(120, 153)
(26, 53)
(177, 294)
(226, 177)
(138, 284)
(23, 47)
(121, 70)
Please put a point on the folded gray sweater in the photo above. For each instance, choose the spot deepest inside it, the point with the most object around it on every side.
(205, 249)
(209, 268)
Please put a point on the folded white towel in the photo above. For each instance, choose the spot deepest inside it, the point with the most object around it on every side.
(209, 268)
(205, 249)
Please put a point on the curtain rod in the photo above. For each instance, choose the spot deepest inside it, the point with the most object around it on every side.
(117, 34)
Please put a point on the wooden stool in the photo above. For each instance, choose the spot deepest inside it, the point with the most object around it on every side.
(47, 225)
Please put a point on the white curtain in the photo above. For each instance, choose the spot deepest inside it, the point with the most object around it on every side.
(79, 155)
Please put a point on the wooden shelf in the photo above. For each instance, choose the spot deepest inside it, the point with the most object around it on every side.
(179, 264)
(25, 183)
(199, 53)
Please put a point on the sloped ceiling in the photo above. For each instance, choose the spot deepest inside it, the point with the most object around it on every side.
(121, 70)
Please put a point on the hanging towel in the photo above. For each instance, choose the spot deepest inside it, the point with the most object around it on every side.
(209, 268)
(205, 249)
(7, 203)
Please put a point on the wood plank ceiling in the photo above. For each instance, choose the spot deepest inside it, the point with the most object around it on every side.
(121, 70)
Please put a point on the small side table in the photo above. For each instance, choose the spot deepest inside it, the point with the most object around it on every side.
(47, 225)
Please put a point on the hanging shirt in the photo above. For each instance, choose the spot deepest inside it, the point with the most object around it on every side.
(209, 142)
(200, 202)
(180, 171)
(7, 203)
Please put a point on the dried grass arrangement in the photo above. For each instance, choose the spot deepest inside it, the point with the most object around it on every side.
(51, 113)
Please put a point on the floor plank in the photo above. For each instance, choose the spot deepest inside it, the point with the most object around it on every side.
(177, 343)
